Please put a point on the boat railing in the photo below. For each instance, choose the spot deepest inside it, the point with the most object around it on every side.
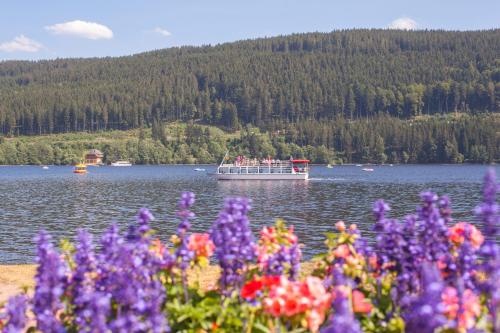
(260, 169)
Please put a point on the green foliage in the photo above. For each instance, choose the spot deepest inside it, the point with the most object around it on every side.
(269, 82)
(379, 140)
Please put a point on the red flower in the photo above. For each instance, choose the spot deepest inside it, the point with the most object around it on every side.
(251, 288)
(271, 281)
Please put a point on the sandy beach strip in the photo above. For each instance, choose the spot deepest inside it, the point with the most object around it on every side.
(16, 278)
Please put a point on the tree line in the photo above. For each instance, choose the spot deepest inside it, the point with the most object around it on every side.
(382, 139)
(313, 78)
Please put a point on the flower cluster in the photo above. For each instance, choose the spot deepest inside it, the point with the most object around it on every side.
(424, 273)
(235, 246)
(201, 245)
(278, 251)
(463, 231)
(15, 314)
(295, 300)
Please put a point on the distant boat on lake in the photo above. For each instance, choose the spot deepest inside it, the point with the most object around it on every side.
(367, 169)
(80, 169)
(199, 169)
(45, 167)
(329, 166)
(121, 164)
(244, 168)
(359, 165)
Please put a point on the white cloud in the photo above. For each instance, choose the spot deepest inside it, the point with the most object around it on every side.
(89, 30)
(21, 44)
(403, 23)
(162, 31)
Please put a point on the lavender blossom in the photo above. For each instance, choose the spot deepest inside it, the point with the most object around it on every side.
(15, 315)
(424, 313)
(489, 213)
(91, 307)
(286, 260)
(398, 247)
(235, 246)
(466, 262)
(50, 283)
(489, 210)
(433, 234)
(342, 319)
(183, 255)
(128, 279)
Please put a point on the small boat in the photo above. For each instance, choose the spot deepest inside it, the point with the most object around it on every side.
(329, 166)
(244, 168)
(359, 165)
(45, 167)
(80, 168)
(199, 169)
(121, 164)
(367, 169)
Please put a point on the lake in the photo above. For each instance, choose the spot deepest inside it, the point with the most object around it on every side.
(60, 202)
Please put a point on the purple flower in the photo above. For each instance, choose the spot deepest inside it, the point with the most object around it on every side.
(342, 319)
(424, 312)
(15, 315)
(50, 283)
(183, 255)
(433, 231)
(489, 213)
(91, 307)
(489, 210)
(397, 245)
(127, 278)
(379, 209)
(187, 200)
(234, 241)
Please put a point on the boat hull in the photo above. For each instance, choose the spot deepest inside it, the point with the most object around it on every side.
(262, 176)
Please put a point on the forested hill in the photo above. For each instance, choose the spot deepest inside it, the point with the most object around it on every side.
(270, 82)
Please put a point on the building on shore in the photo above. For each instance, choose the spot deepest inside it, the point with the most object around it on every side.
(94, 157)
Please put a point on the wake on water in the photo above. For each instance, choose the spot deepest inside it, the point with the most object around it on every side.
(328, 179)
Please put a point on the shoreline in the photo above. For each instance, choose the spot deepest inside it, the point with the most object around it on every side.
(16, 278)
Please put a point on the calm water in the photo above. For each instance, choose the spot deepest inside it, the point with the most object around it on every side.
(61, 202)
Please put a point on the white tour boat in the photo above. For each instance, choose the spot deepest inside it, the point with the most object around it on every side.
(121, 164)
(247, 169)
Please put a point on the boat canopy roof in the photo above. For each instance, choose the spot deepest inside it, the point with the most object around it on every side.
(300, 161)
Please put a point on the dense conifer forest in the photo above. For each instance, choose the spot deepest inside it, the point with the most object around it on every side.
(360, 95)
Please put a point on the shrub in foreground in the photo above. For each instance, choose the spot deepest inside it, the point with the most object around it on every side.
(426, 273)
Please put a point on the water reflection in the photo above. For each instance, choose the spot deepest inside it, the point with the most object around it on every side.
(61, 202)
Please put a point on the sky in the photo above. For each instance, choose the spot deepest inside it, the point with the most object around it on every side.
(35, 29)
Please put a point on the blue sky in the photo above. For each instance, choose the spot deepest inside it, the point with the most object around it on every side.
(38, 29)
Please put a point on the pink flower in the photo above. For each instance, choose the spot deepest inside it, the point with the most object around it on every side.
(359, 302)
(450, 301)
(471, 310)
(340, 225)
(308, 299)
(342, 251)
(459, 231)
(201, 245)
(471, 307)
(158, 248)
